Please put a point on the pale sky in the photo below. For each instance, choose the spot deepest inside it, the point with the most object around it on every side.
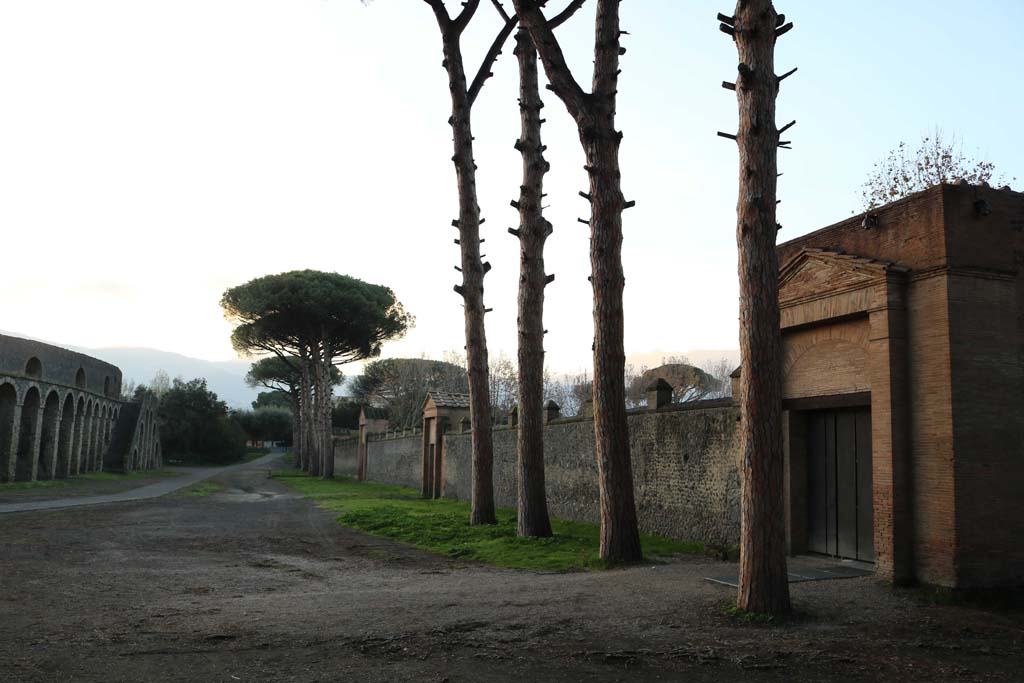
(155, 152)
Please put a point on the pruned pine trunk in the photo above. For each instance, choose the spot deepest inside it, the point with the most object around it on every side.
(296, 454)
(317, 423)
(594, 114)
(532, 233)
(326, 359)
(763, 582)
(301, 408)
(472, 266)
(320, 398)
(309, 419)
(317, 413)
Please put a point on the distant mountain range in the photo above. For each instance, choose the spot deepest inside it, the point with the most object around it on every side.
(139, 365)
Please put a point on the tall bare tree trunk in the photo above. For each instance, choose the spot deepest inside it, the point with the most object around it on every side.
(763, 583)
(301, 408)
(316, 434)
(309, 419)
(594, 114)
(532, 233)
(296, 432)
(318, 405)
(472, 266)
(326, 391)
(472, 291)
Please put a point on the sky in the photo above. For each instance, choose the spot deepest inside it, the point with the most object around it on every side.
(154, 153)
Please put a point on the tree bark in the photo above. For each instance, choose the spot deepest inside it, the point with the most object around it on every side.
(309, 393)
(296, 456)
(763, 581)
(326, 359)
(532, 233)
(594, 114)
(473, 269)
(301, 406)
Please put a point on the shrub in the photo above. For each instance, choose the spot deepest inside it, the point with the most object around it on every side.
(194, 425)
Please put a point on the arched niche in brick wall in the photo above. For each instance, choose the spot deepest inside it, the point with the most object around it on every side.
(825, 361)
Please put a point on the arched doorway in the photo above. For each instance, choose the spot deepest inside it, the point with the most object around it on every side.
(48, 441)
(65, 439)
(827, 396)
(27, 436)
(8, 403)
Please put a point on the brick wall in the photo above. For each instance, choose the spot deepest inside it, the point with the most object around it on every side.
(909, 231)
(989, 441)
(931, 431)
(826, 360)
(986, 313)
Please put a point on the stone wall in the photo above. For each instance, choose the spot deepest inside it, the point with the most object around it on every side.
(135, 440)
(684, 469)
(395, 460)
(346, 456)
(36, 360)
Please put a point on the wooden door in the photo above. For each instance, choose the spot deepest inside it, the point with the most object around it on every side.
(840, 508)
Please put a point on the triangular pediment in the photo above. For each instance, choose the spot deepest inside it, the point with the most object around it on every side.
(814, 272)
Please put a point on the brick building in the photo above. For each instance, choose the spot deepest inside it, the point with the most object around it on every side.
(904, 387)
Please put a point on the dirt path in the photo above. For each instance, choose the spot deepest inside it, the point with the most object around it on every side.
(256, 584)
(87, 492)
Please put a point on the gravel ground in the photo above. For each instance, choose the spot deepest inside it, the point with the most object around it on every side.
(77, 488)
(256, 584)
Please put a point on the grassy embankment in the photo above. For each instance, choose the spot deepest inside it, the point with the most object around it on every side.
(88, 476)
(442, 526)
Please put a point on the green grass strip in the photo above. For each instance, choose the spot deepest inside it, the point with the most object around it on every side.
(202, 489)
(126, 476)
(40, 484)
(442, 526)
(86, 476)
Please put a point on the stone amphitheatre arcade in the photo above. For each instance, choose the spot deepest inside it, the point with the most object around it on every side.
(61, 414)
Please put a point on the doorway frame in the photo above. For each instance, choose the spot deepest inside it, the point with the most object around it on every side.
(819, 288)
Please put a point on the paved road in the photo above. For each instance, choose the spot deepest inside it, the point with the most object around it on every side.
(162, 488)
